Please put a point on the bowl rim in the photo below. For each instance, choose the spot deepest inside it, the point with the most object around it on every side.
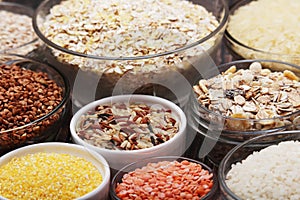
(229, 37)
(77, 148)
(65, 97)
(156, 159)
(30, 13)
(222, 24)
(221, 169)
(130, 98)
(236, 62)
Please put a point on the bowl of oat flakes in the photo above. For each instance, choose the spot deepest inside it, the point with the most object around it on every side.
(259, 30)
(33, 97)
(127, 46)
(244, 99)
(127, 128)
(17, 34)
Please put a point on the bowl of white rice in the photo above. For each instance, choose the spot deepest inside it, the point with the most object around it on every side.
(265, 167)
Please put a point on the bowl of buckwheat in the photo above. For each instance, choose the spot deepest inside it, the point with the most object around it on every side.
(151, 49)
(33, 97)
(54, 170)
(17, 34)
(243, 99)
(127, 128)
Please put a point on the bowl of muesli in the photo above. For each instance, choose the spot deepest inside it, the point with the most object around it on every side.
(243, 99)
(126, 46)
(17, 34)
(127, 128)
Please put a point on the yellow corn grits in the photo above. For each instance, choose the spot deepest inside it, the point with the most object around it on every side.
(48, 176)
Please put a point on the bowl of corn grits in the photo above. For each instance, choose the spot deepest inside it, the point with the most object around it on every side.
(53, 170)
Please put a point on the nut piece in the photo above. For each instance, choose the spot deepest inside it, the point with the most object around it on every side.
(290, 75)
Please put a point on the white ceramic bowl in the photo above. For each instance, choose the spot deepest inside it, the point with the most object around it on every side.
(119, 158)
(101, 192)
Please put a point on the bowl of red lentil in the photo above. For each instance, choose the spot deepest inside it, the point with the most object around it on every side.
(150, 49)
(244, 99)
(17, 34)
(54, 170)
(128, 128)
(264, 167)
(33, 99)
(167, 177)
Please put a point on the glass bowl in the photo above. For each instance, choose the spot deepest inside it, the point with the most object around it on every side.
(117, 179)
(55, 190)
(242, 151)
(89, 128)
(240, 47)
(166, 74)
(221, 133)
(32, 106)
(19, 23)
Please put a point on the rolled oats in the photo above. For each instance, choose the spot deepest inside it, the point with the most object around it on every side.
(127, 127)
(128, 28)
(16, 30)
(268, 99)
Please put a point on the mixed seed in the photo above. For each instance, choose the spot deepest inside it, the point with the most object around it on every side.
(133, 126)
(253, 93)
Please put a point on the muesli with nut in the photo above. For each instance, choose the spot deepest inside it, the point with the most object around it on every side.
(121, 126)
(263, 96)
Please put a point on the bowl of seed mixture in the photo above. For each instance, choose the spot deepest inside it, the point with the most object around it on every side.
(244, 99)
(127, 128)
(125, 45)
(17, 34)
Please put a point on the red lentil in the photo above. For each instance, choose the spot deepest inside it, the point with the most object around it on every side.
(166, 180)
